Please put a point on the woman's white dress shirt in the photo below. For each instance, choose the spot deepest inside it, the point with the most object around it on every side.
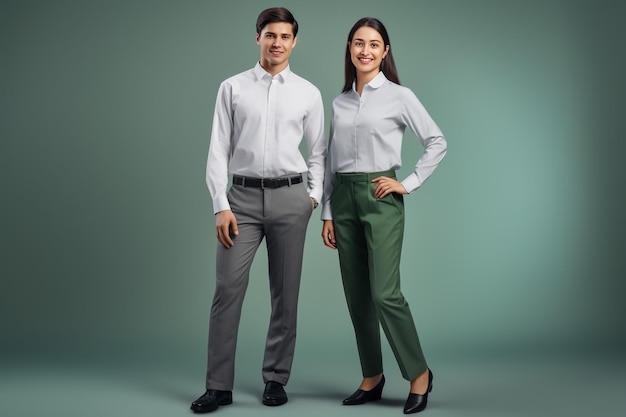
(367, 130)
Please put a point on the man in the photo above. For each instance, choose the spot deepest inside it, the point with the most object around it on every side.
(261, 116)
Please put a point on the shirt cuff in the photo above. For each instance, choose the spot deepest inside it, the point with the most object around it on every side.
(326, 212)
(220, 204)
(411, 183)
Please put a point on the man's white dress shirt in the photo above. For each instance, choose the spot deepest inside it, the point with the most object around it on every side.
(258, 124)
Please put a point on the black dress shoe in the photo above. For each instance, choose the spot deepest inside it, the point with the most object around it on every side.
(274, 394)
(211, 399)
(361, 397)
(417, 402)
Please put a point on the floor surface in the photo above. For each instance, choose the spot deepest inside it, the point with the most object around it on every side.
(480, 385)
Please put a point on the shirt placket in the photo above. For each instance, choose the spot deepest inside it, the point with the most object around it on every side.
(355, 132)
(270, 148)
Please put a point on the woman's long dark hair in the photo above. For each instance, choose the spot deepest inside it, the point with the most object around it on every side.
(387, 66)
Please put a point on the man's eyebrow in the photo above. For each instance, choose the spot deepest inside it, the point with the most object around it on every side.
(282, 34)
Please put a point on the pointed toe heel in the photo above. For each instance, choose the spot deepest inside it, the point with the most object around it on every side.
(417, 402)
(361, 397)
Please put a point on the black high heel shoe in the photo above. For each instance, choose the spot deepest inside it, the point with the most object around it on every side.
(417, 402)
(361, 397)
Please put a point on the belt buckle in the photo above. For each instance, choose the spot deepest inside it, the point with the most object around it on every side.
(268, 183)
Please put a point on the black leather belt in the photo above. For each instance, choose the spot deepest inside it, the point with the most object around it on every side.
(266, 182)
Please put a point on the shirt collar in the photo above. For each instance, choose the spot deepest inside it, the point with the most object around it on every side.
(376, 82)
(259, 72)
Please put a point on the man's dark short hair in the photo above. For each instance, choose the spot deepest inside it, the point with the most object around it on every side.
(275, 15)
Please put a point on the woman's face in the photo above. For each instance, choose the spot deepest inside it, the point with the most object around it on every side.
(367, 51)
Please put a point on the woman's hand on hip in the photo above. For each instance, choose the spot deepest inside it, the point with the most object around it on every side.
(328, 234)
(386, 185)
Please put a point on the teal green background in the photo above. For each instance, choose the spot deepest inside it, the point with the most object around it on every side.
(514, 252)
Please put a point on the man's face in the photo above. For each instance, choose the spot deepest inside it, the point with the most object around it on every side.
(276, 42)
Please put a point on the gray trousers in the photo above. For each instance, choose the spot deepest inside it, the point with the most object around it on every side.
(281, 216)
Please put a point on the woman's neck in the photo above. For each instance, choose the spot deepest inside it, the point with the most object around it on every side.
(364, 78)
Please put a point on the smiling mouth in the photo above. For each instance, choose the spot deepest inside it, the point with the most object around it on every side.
(365, 60)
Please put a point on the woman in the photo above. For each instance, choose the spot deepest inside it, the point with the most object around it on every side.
(363, 209)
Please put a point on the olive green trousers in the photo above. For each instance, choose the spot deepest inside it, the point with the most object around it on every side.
(369, 233)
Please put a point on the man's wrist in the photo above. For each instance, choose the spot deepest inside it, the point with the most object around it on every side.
(315, 203)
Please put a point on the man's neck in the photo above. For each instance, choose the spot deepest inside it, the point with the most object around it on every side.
(273, 69)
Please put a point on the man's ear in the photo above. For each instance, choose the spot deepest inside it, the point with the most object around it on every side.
(295, 40)
(258, 39)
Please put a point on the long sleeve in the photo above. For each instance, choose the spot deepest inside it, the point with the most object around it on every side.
(435, 146)
(220, 149)
(329, 178)
(316, 148)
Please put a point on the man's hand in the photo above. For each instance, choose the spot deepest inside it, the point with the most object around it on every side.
(225, 222)
(328, 234)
